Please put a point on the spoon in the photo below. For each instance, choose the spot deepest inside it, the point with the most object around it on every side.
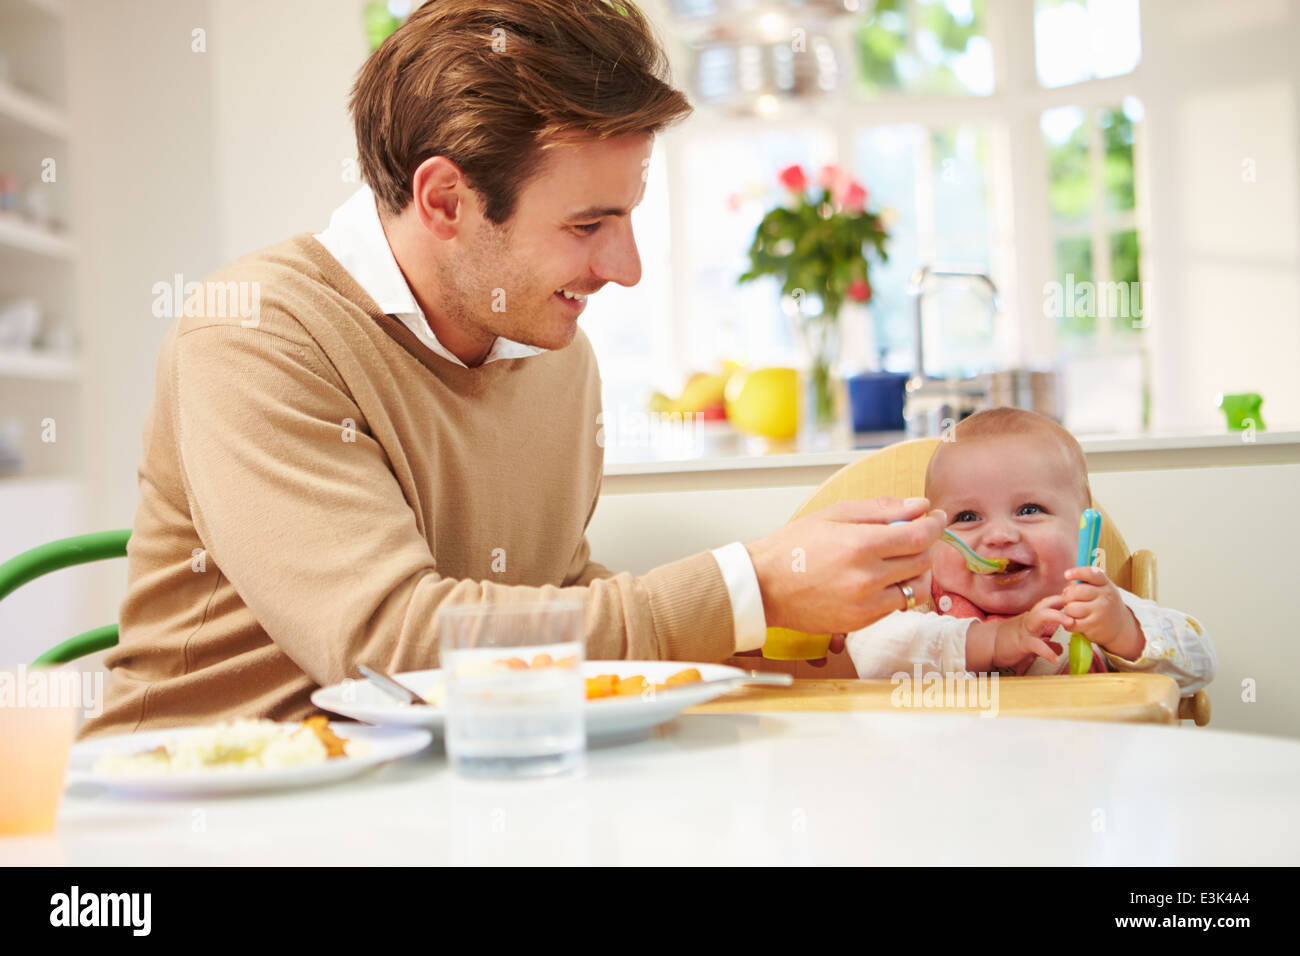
(975, 563)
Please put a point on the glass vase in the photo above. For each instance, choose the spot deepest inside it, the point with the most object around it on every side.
(819, 338)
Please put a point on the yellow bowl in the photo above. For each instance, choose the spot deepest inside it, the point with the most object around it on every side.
(786, 645)
(764, 402)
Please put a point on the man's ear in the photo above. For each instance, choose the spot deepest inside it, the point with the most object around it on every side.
(440, 195)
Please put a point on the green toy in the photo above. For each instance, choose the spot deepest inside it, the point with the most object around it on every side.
(1242, 408)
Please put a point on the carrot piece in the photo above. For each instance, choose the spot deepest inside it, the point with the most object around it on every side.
(631, 686)
(688, 676)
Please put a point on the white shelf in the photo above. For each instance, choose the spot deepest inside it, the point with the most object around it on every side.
(49, 366)
(16, 107)
(18, 233)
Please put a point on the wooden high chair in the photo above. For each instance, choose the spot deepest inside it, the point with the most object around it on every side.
(899, 471)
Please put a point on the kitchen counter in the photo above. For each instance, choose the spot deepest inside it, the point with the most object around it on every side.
(713, 454)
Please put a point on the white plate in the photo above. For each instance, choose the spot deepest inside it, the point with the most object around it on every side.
(382, 745)
(606, 717)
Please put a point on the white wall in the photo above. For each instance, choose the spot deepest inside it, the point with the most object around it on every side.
(1222, 115)
(281, 74)
(145, 207)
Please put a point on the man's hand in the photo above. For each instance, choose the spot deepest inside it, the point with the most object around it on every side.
(1100, 614)
(834, 571)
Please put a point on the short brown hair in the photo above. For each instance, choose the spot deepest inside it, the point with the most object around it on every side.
(491, 84)
(1006, 420)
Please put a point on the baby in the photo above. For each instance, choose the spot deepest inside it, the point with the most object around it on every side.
(1014, 484)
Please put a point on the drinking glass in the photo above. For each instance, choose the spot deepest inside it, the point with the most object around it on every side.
(37, 723)
(515, 688)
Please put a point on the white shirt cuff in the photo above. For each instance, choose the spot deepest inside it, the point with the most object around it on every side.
(750, 631)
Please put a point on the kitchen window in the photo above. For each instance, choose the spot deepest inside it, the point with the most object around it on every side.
(993, 150)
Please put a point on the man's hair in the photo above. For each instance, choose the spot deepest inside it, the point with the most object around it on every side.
(492, 84)
(1003, 421)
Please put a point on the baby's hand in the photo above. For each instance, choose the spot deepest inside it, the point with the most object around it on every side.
(1100, 614)
(1019, 638)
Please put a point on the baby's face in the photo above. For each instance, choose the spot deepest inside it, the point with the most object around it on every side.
(1009, 497)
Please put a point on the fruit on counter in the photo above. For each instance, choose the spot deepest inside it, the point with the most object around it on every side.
(703, 393)
(764, 402)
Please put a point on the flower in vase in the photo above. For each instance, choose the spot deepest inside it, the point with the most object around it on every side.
(793, 179)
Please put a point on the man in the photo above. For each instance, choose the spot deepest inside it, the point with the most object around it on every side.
(409, 420)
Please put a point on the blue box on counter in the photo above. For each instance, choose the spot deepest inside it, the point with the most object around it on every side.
(876, 400)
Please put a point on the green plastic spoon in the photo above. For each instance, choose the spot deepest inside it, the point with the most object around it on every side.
(975, 563)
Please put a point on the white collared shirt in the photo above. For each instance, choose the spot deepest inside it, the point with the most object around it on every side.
(355, 237)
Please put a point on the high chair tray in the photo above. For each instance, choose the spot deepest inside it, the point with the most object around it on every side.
(1126, 698)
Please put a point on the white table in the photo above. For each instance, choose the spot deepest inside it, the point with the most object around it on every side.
(797, 788)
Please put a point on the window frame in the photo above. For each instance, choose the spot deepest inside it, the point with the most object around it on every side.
(1019, 210)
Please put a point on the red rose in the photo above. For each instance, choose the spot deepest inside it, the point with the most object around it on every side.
(855, 198)
(859, 290)
(832, 178)
(793, 179)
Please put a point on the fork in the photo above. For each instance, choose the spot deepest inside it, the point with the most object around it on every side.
(391, 687)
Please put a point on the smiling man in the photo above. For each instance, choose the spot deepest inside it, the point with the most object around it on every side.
(410, 420)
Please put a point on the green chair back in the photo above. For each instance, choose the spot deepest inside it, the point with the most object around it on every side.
(64, 553)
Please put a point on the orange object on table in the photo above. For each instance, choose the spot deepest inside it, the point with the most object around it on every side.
(34, 745)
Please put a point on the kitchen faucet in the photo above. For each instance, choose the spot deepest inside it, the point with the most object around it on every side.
(934, 405)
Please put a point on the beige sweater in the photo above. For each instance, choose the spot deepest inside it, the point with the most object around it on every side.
(316, 485)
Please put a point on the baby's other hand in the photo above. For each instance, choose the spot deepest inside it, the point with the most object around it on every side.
(1019, 638)
(1100, 614)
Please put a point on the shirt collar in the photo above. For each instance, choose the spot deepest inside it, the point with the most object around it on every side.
(355, 237)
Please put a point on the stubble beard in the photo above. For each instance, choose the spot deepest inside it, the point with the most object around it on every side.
(486, 295)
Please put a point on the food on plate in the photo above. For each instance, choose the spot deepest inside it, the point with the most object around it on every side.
(688, 676)
(335, 746)
(540, 660)
(603, 686)
(600, 686)
(235, 745)
(634, 685)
